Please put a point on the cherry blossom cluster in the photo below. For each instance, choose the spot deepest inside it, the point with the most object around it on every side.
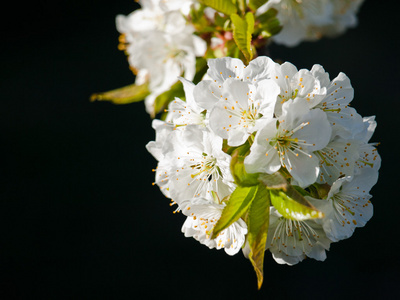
(162, 39)
(309, 20)
(295, 122)
(160, 44)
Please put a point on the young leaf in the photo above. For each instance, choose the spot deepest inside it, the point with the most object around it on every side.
(267, 16)
(257, 226)
(319, 191)
(255, 4)
(242, 31)
(274, 181)
(249, 17)
(302, 191)
(201, 69)
(292, 205)
(271, 28)
(127, 94)
(241, 4)
(224, 6)
(239, 202)
(241, 177)
(268, 24)
(219, 20)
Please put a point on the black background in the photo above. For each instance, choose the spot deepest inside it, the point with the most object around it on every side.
(79, 216)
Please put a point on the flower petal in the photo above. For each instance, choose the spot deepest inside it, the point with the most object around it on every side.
(224, 68)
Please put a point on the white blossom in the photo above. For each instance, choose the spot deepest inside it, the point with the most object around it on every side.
(156, 148)
(198, 166)
(160, 46)
(182, 113)
(191, 162)
(289, 141)
(202, 215)
(165, 57)
(309, 20)
(343, 17)
(337, 159)
(182, 5)
(221, 69)
(347, 205)
(241, 109)
(291, 241)
(369, 157)
(149, 17)
(227, 68)
(296, 122)
(294, 84)
(239, 99)
(344, 119)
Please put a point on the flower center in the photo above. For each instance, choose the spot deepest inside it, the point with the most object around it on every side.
(174, 53)
(206, 167)
(204, 172)
(287, 96)
(249, 116)
(291, 233)
(284, 143)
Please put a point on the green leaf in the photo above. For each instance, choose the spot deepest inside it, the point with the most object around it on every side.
(267, 16)
(239, 202)
(319, 191)
(273, 27)
(268, 24)
(201, 69)
(240, 176)
(274, 181)
(302, 192)
(162, 101)
(224, 6)
(255, 4)
(125, 95)
(249, 17)
(219, 20)
(242, 31)
(199, 20)
(288, 199)
(292, 205)
(241, 4)
(257, 226)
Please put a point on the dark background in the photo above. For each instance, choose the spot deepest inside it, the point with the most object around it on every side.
(79, 216)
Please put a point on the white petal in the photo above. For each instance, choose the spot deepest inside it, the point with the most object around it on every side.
(293, 113)
(188, 87)
(288, 69)
(308, 87)
(200, 46)
(303, 167)
(340, 91)
(259, 69)
(259, 161)
(221, 69)
(202, 217)
(263, 157)
(267, 92)
(338, 158)
(318, 252)
(206, 94)
(282, 258)
(317, 132)
(220, 121)
(319, 73)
